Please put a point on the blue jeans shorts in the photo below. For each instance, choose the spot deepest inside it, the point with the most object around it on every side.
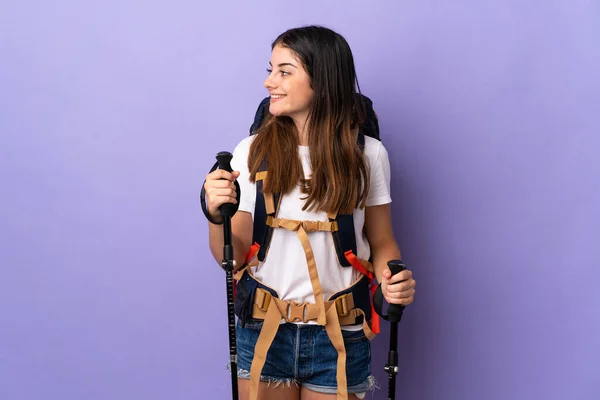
(303, 354)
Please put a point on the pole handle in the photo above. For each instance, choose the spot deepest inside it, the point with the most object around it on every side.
(224, 162)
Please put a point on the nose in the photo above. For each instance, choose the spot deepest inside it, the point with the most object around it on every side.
(270, 83)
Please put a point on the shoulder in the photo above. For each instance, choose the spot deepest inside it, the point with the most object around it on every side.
(239, 161)
(242, 149)
(374, 150)
(244, 144)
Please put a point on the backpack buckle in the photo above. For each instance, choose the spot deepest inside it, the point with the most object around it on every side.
(310, 226)
(296, 312)
(343, 305)
(263, 299)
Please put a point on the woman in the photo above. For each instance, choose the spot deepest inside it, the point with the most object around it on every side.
(308, 151)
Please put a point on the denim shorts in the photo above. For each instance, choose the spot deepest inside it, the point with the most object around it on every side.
(303, 354)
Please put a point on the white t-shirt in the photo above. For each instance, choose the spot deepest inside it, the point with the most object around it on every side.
(285, 269)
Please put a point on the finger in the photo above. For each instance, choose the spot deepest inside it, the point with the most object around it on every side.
(400, 293)
(402, 286)
(403, 302)
(401, 276)
(222, 192)
(219, 184)
(211, 186)
(406, 294)
(398, 298)
(220, 174)
(217, 201)
(223, 187)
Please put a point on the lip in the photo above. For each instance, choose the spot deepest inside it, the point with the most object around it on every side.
(273, 100)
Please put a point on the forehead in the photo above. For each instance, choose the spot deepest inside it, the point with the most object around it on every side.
(282, 54)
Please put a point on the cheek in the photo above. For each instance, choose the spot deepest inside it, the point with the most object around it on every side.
(308, 96)
(302, 95)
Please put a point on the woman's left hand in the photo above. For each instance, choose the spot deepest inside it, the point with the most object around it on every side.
(399, 288)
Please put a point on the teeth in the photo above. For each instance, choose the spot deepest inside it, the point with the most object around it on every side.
(277, 96)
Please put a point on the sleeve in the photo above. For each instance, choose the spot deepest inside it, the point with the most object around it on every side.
(239, 162)
(379, 191)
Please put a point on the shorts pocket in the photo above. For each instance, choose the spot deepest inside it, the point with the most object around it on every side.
(253, 324)
(354, 336)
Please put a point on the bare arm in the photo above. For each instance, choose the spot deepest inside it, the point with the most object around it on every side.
(378, 224)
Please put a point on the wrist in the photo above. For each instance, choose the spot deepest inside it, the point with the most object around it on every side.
(214, 219)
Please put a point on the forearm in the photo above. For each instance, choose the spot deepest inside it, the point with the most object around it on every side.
(382, 254)
(216, 242)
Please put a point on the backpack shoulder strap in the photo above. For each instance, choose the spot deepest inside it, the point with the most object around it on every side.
(345, 238)
(266, 204)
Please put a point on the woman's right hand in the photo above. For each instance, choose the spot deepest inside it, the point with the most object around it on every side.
(219, 189)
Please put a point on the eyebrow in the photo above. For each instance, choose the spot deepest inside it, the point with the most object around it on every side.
(283, 65)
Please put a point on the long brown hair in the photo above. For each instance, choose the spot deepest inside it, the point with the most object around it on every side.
(340, 175)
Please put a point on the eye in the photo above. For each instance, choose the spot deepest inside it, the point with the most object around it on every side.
(284, 73)
(269, 70)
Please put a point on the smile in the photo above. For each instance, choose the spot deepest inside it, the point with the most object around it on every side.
(277, 96)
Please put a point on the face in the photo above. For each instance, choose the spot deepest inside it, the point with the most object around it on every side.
(288, 84)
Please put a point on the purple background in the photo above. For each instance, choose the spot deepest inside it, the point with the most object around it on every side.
(110, 117)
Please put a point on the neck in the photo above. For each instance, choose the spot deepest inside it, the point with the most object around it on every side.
(301, 126)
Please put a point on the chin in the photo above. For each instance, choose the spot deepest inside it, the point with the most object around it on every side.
(276, 112)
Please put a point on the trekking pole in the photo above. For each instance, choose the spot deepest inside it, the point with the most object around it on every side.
(227, 211)
(394, 316)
